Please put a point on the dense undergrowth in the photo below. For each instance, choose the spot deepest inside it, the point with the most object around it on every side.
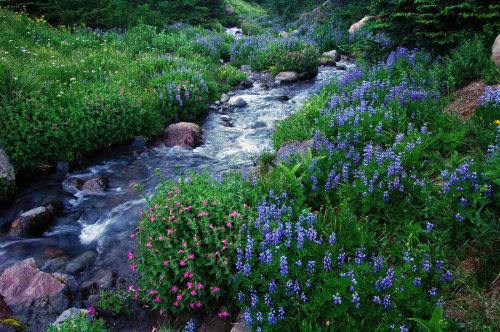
(366, 230)
(71, 91)
(370, 227)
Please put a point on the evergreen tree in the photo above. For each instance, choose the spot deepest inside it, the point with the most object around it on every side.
(436, 24)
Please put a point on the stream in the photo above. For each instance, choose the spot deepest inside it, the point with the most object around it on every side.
(103, 221)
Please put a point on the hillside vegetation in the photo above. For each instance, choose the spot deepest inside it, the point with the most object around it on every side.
(390, 218)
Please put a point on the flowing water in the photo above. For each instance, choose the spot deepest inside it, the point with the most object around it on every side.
(103, 220)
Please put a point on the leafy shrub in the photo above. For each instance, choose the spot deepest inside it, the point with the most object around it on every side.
(276, 54)
(115, 301)
(288, 56)
(46, 131)
(79, 323)
(287, 268)
(468, 61)
(187, 243)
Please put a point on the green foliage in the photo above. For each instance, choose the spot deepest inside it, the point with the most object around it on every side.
(436, 25)
(115, 301)
(79, 323)
(468, 61)
(6, 188)
(86, 88)
(289, 268)
(187, 243)
(434, 324)
(118, 13)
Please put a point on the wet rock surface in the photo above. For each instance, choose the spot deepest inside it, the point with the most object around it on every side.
(184, 134)
(24, 282)
(33, 222)
(287, 77)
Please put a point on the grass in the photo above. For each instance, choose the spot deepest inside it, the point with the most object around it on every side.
(246, 9)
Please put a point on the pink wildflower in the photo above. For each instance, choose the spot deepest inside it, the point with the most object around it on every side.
(183, 263)
(148, 244)
(174, 288)
(132, 266)
(130, 255)
(91, 310)
(193, 292)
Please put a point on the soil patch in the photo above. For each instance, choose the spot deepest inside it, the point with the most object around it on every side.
(465, 99)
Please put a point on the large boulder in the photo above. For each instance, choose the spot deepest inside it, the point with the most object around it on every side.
(287, 76)
(240, 102)
(360, 24)
(185, 134)
(80, 262)
(247, 83)
(228, 9)
(7, 172)
(96, 183)
(7, 178)
(333, 55)
(24, 282)
(33, 222)
(495, 54)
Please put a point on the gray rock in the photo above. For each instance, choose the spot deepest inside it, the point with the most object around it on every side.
(7, 171)
(69, 313)
(341, 66)
(246, 68)
(240, 102)
(56, 264)
(231, 94)
(259, 124)
(282, 97)
(217, 102)
(224, 98)
(225, 118)
(276, 83)
(59, 301)
(62, 166)
(247, 83)
(495, 51)
(287, 77)
(80, 262)
(333, 54)
(96, 183)
(305, 75)
(228, 9)
(73, 185)
(239, 326)
(104, 279)
(138, 143)
(33, 222)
